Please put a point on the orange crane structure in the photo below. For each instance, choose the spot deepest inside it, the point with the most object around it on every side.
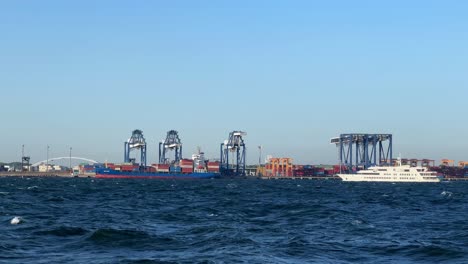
(447, 162)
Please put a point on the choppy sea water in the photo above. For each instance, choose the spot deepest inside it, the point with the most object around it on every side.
(85, 220)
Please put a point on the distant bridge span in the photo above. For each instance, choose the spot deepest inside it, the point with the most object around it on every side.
(66, 158)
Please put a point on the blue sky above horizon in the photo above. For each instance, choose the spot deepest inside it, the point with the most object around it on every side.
(292, 74)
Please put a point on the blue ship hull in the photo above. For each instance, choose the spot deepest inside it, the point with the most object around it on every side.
(109, 173)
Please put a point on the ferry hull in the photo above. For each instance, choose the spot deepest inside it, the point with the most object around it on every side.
(114, 174)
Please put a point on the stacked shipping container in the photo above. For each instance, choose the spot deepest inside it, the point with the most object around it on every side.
(161, 167)
(213, 166)
(186, 165)
(451, 172)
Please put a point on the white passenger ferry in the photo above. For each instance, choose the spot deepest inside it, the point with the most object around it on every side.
(401, 173)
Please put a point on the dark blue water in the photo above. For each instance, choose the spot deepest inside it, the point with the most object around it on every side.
(231, 221)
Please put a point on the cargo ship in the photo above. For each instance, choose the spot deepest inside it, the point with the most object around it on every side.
(110, 173)
(196, 168)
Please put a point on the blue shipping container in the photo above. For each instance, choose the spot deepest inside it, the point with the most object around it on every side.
(175, 169)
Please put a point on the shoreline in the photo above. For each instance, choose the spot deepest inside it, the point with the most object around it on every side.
(90, 175)
(43, 174)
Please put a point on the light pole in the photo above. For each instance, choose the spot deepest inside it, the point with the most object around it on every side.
(47, 164)
(259, 155)
(22, 158)
(70, 160)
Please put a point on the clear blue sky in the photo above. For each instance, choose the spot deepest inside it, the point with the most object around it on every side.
(292, 74)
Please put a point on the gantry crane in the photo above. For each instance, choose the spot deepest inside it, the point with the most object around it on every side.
(358, 150)
(233, 147)
(171, 143)
(138, 142)
(447, 162)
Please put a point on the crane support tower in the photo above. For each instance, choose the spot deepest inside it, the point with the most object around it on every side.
(25, 161)
(234, 147)
(368, 150)
(172, 142)
(136, 141)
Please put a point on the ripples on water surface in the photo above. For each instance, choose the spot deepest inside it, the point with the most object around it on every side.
(231, 221)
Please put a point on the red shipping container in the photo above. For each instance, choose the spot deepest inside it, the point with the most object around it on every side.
(163, 166)
(187, 170)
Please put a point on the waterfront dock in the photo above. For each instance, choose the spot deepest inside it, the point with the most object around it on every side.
(300, 178)
(41, 174)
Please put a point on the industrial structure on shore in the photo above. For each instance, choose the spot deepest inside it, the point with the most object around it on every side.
(356, 151)
(361, 151)
(231, 164)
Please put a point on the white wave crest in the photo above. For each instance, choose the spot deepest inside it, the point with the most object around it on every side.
(16, 220)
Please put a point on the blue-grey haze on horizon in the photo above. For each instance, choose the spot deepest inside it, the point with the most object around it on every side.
(292, 74)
